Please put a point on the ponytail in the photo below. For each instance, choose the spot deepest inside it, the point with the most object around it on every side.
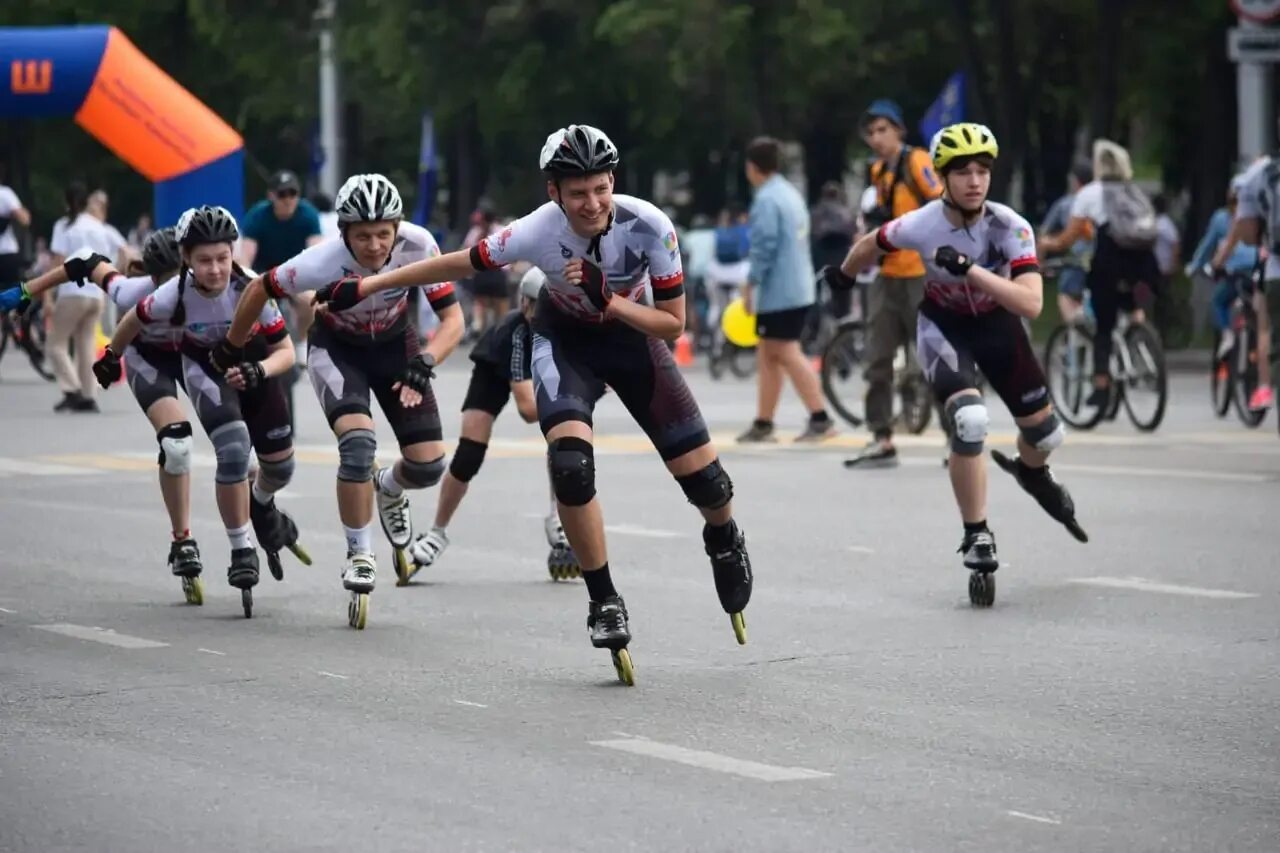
(180, 311)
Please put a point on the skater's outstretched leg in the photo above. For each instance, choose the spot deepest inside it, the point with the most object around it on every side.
(708, 487)
(1038, 436)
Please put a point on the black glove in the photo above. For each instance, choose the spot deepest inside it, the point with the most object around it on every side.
(253, 373)
(952, 261)
(342, 295)
(835, 279)
(108, 369)
(225, 355)
(417, 374)
(80, 266)
(595, 284)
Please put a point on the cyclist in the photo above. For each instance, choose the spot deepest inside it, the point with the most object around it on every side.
(981, 279)
(501, 371)
(614, 296)
(1075, 261)
(372, 350)
(1257, 223)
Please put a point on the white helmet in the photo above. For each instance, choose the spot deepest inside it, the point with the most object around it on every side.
(531, 283)
(368, 198)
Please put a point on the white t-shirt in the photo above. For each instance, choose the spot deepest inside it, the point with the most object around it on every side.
(1001, 241)
(1260, 199)
(207, 317)
(85, 231)
(8, 204)
(379, 314)
(640, 255)
(1166, 239)
(1090, 204)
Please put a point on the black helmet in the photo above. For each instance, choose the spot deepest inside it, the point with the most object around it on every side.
(578, 149)
(160, 253)
(206, 224)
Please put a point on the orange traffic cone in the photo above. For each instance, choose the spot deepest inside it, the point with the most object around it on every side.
(684, 350)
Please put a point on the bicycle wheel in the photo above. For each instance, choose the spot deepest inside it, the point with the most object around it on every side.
(1068, 355)
(843, 362)
(742, 360)
(1221, 380)
(1244, 369)
(917, 403)
(1144, 383)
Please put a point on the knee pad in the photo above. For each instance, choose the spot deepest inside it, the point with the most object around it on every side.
(175, 448)
(232, 448)
(356, 451)
(572, 462)
(709, 488)
(467, 459)
(969, 420)
(421, 475)
(1045, 436)
(274, 476)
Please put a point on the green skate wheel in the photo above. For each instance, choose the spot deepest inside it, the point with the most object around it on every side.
(301, 554)
(982, 589)
(193, 589)
(739, 623)
(405, 569)
(358, 610)
(622, 665)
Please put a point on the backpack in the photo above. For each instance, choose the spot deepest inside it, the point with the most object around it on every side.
(883, 211)
(731, 244)
(1131, 219)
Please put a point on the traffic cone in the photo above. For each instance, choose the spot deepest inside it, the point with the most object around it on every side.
(684, 350)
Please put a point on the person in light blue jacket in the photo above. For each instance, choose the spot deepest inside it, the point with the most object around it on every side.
(1239, 264)
(780, 290)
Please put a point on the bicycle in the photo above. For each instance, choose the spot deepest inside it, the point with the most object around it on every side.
(1137, 369)
(724, 353)
(1234, 373)
(26, 331)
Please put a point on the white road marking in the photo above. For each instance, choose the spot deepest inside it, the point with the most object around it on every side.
(647, 532)
(331, 675)
(1181, 473)
(710, 760)
(860, 549)
(7, 610)
(100, 635)
(212, 652)
(1144, 585)
(20, 467)
(470, 704)
(1036, 818)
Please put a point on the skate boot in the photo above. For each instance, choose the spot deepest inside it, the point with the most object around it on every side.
(425, 550)
(184, 562)
(979, 549)
(562, 563)
(358, 577)
(731, 567)
(607, 621)
(397, 524)
(276, 531)
(243, 574)
(1052, 496)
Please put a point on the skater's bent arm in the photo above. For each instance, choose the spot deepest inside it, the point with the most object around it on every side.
(665, 320)
(526, 403)
(450, 267)
(862, 255)
(247, 311)
(57, 275)
(1023, 294)
(447, 335)
(129, 327)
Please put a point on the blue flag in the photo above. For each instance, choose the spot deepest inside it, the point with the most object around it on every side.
(947, 109)
(428, 174)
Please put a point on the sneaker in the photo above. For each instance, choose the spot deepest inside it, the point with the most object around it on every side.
(1261, 398)
(817, 430)
(1226, 343)
(759, 433)
(874, 455)
(1099, 397)
(85, 404)
(70, 399)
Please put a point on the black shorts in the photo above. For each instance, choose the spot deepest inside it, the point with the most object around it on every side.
(784, 325)
(488, 391)
(153, 373)
(264, 410)
(345, 373)
(491, 284)
(953, 347)
(11, 268)
(573, 362)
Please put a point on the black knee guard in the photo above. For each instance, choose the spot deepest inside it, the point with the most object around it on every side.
(709, 488)
(421, 475)
(573, 470)
(467, 459)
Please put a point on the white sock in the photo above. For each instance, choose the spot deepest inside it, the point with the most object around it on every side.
(359, 539)
(239, 537)
(260, 494)
(387, 482)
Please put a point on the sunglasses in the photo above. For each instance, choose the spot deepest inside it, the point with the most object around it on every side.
(286, 193)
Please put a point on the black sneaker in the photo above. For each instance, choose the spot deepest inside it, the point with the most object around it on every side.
(607, 621)
(1100, 397)
(874, 455)
(70, 399)
(85, 404)
(818, 429)
(979, 549)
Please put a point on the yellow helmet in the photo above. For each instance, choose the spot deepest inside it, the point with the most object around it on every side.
(962, 140)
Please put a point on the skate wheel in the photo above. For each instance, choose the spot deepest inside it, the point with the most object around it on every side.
(622, 665)
(301, 554)
(982, 589)
(1074, 528)
(246, 601)
(273, 563)
(193, 589)
(739, 623)
(358, 610)
(404, 569)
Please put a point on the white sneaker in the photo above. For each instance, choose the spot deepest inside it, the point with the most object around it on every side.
(426, 549)
(1226, 343)
(393, 512)
(359, 573)
(555, 531)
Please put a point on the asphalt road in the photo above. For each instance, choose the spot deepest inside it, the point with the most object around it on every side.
(1121, 695)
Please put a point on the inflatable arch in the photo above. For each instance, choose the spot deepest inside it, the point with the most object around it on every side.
(129, 105)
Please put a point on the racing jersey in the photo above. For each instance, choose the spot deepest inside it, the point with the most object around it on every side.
(204, 320)
(639, 254)
(128, 291)
(1001, 241)
(506, 347)
(1260, 199)
(379, 317)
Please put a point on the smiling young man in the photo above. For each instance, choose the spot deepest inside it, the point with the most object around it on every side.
(614, 296)
(981, 278)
